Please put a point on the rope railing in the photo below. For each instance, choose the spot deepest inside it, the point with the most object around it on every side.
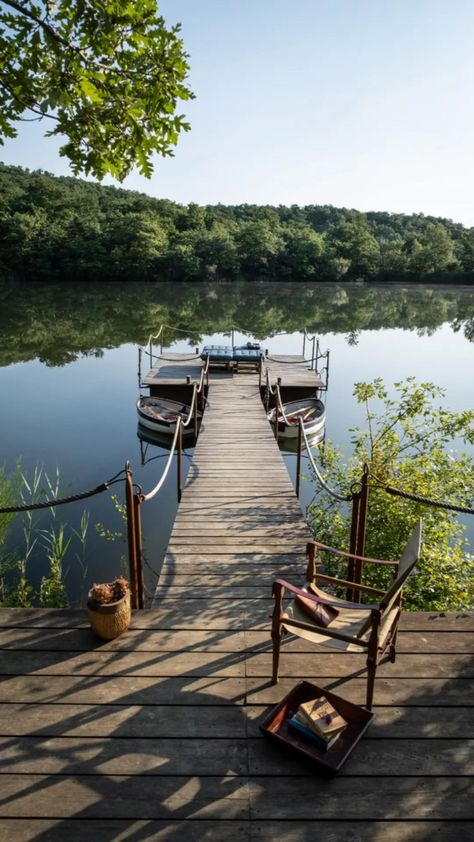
(154, 491)
(343, 498)
(419, 498)
(61, 501)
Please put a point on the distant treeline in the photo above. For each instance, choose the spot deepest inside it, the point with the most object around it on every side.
(67, 229)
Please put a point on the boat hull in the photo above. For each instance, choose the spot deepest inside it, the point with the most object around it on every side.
(161, 415)
(313, 426)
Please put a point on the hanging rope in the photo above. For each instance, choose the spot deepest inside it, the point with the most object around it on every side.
(343, 498)
(289, 362)
(73, 498)
(418, 498)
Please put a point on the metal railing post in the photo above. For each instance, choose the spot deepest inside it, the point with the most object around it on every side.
(312, 357)
(151, 354)
(317, 357)
(298, 458)
(304, 341)
(139, 551)
(131, 535)
(139, 367)
(361, 531)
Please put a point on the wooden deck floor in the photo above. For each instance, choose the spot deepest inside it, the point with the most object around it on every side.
(155, 736)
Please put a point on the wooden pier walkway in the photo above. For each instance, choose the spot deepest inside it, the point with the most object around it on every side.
(154, 737)
(239, 517)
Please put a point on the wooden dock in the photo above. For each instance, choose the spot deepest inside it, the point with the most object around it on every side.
(239, 511)
(174, 368)
(154, 737)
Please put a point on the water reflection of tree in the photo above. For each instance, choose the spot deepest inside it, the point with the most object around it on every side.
(56, 323)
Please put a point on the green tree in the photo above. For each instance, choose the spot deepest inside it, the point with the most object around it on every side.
(406, 444)
(433, 251)
(107, 76)
(303, 249)
(353, 241)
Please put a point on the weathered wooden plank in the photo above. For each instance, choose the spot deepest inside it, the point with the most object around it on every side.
(224, 590)
(221, 690)
(115, 797)
(388, 690)
(135, 640)
(123, 690)
(122, 663)
(104, 830)
(360, 831)
(124, 756)
(225, 721)
(373, 758)
(130, 721)
(318, 664)
(361, 798)
(195, 756)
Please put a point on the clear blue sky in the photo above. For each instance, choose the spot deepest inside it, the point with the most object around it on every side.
(355, 103)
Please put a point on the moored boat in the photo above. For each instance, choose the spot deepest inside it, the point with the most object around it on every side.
(161, 414)
(311, 410)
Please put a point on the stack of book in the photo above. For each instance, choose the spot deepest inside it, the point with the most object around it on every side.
(319, 722)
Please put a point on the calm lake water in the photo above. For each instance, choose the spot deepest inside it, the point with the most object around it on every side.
(68, 380)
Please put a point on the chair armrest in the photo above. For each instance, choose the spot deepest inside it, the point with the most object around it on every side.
(347, 555)
(313, 598)
(333, 580)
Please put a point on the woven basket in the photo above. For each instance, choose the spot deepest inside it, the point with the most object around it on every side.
(111, 619)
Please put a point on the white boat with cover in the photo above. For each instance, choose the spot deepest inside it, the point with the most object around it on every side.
(161, 414)
(311, 410)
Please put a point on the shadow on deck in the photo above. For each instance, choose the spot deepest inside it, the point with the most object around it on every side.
(155, 736)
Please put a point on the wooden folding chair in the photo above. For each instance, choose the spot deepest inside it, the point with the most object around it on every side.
(358, 627)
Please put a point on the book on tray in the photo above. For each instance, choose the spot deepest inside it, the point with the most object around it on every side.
(318, 721)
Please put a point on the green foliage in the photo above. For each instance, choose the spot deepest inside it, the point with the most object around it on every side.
(407, 444)
(70, 230)
(52, 542)
(107, 76)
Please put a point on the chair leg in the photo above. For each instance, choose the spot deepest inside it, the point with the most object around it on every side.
(277, 628)
(392, 652)
(371, 671)
(276, 639)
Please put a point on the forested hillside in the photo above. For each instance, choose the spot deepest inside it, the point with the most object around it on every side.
(67, 229)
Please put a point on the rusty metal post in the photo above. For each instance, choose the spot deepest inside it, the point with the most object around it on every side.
(298, 458)
(327, 369)
(139, 367)
(317, 357)
(361, 530)
(180, 458)
(131, 534)
(304, 341)
(277, 415)
(139, 551)
(313, 358)
(353, 541)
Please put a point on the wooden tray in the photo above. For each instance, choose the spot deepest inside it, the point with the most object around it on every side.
(275, 725)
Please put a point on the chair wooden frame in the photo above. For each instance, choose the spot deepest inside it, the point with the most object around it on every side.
(377, 632)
